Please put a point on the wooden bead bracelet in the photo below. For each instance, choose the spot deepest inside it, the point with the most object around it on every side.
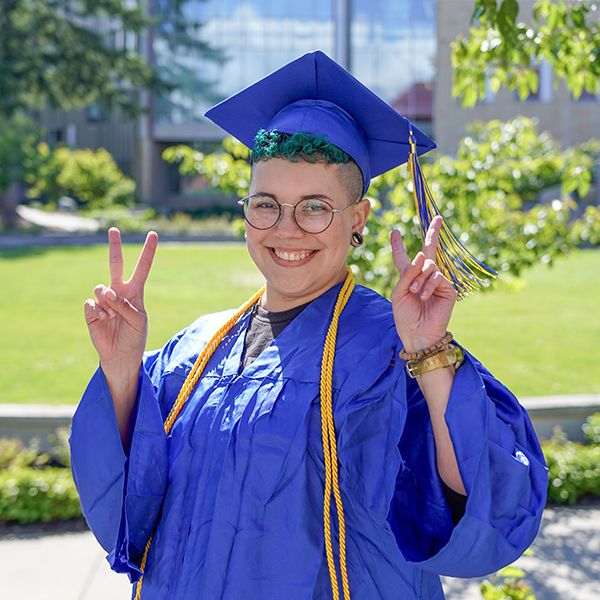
(435, 349)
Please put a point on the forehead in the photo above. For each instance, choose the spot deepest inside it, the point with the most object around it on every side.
(280, 176)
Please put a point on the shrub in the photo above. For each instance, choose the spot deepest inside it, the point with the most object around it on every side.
(14, 455)
(573, 468)
(591, 429)
(37, 486)
(507, 584)
(125, 219)
(28, 495)
(92, 178)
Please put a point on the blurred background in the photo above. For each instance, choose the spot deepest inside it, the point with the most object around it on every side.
(101, 124)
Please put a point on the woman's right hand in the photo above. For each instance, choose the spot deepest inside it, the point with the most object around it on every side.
(118, 324)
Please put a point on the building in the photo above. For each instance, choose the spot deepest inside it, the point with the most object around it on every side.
(569, 121)
(389, 45)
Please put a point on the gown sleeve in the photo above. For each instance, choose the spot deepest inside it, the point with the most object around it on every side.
(121, 493)
(502, 468)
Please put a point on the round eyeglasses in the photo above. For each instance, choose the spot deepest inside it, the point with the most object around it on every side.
(312, 215)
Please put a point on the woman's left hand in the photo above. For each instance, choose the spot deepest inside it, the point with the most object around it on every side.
(423, 298)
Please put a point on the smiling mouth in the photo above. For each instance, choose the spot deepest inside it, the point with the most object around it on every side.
(292, 256)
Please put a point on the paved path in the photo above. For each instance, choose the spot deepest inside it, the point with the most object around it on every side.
(59, 221)
(67, 229)
(68, 566)
(72, 566)
(566, 561)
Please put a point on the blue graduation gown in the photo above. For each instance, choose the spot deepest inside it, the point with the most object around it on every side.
(235, 491)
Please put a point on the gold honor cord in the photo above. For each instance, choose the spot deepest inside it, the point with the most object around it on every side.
(329, 441)
(456, 263)
(330, 447)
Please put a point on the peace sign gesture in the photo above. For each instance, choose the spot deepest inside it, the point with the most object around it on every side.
(117, 319)
(423, 298)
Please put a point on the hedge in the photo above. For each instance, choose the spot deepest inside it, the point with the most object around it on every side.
(28, 495)
(38, 486)
(573, 468)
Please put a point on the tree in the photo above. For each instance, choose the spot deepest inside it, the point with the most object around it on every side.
(488, 194)
(52, 51)
(18, 138)
(69, 53)
(181, 56)
(227, 169)
(502, 51)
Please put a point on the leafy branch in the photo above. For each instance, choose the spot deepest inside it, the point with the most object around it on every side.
(502, 51)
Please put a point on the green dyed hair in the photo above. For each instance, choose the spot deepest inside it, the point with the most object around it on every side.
(311, 149)
(297, 147)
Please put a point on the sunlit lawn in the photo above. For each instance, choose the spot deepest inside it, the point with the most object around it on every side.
(543, 339)
(45, 352)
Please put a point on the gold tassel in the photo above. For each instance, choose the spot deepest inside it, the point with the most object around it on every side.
(458, 265)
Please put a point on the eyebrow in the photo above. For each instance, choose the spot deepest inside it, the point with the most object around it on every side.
(306, 197)
(265, 194)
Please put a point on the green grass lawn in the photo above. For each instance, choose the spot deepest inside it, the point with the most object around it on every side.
(543, 339)
(45, 352)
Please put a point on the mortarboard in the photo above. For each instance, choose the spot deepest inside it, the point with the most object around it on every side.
(315, 95)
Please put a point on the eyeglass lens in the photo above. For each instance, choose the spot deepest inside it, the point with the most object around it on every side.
(312, 215)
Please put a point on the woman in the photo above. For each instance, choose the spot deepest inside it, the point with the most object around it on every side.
(281, 451)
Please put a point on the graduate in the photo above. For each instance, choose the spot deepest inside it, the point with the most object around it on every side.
(319, 442)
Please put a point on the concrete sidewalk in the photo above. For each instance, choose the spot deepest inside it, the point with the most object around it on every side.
(566, 561)
(66, 566)
(72, 566)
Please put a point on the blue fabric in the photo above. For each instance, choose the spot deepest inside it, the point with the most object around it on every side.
(236, 489)
(315, 95)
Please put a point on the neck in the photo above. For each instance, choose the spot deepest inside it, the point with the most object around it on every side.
(274, 300)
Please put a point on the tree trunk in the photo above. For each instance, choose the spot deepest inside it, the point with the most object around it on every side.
(8, 204)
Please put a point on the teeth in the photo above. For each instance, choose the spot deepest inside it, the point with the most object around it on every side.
(290, 255)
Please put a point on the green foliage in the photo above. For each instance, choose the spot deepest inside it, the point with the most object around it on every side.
(28, 495)
(142, 220)
(19, 135)
(51, 53)
(126, 219)
(573, 468)
(591, 429)
(587, 228)
(488, 196)
(60, 453)
(92, 178)
(227, 170)
(14, 455)
(507, 584)
(482, 193)
(504, 52)
(37, 486)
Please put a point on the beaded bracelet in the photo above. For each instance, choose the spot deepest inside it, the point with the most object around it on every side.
(416, 356)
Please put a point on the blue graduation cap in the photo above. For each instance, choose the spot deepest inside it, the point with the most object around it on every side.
(316, 96)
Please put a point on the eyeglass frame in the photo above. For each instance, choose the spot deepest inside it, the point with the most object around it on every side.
(243, 201)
